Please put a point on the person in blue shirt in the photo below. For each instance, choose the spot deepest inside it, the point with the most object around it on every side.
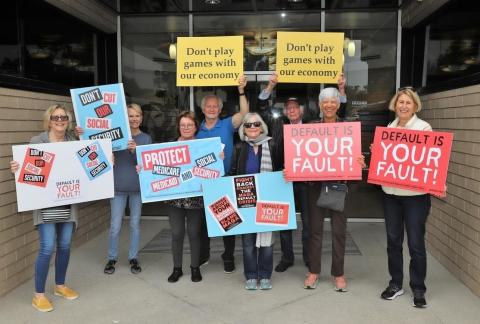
(213, 126)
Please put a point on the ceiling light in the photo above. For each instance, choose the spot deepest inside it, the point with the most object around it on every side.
(212, 2)
(172, 51)
(283, 15)
(351, 48)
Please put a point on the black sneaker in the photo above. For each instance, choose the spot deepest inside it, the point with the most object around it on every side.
(392, 292)
(110, 267)
(419, 299)
(135, 266)
(282, 266)
(228, 266)
(176, 274)
(196, 274)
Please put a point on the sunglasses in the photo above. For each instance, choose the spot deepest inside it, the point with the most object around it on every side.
(407, 88)
(59, 118)
(254, 124)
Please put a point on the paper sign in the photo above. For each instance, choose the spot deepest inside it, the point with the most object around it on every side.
(101, 112)
(175, 169)
(53, 174)
(209, 61)
(309, 57)
(247, 204)
(322, 151)
(412, 160)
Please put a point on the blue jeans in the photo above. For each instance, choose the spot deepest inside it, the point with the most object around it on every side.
(410, 213)
(300, 191)
(257, 262)
(51, 233)
(118, 204)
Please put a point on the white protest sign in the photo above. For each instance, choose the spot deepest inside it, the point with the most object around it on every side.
(57, 174)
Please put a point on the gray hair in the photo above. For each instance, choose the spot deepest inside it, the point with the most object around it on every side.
(329, 93)
(246, 119)
(204, 99)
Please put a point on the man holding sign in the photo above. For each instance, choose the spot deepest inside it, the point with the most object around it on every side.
(213, 126)
(405, 209)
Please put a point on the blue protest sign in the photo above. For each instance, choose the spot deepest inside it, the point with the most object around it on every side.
(254, 203)
(101, 112)
(93, 160)
(176, 169)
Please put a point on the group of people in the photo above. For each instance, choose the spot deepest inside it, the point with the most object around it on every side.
(255, 152)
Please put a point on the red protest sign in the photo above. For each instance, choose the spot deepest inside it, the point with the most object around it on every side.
(409, 159)
(272, 213)
(322, 151)
(36, 167)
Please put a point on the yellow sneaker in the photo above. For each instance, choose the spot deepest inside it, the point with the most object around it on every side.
(65, 292)
(42, 304)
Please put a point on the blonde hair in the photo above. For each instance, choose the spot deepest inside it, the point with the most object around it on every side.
(408, 92)
(49, 112)
(246, 119)
(135, 107)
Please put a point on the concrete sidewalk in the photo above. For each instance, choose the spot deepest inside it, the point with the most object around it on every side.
(220, 298)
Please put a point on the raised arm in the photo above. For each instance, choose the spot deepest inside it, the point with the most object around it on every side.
(244, 108)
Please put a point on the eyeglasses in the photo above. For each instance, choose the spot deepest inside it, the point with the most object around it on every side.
(254, 124)
(59, 118)
(407, 88)
(187, 126)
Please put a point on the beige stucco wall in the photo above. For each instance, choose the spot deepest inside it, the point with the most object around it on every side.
(20, 119)
(453, 231)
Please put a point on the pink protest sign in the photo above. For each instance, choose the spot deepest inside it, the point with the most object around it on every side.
(408, 159)
(322, 151)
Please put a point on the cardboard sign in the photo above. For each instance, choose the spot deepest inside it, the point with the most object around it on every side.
(309, 57)
(101, 112)
(209, 61)
(247, 204)
(322, 151)
(63, 173)
(176, 169)
(412, 160)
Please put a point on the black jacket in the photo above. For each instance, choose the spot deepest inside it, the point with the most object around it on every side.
(240, 154)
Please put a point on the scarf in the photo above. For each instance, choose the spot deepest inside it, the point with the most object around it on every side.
(265, 238)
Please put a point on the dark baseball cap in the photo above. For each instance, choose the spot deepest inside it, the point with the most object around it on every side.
(295, 99)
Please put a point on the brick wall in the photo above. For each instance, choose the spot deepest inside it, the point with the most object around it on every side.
(20, 119)
(453, 230)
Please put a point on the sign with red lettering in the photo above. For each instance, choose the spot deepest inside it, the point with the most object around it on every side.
(225, 214)
(176, 169)
(62, 173)
(322, 151)
(271, 212)
(263, 202)
(101, 111)
(409, 159)
(36, 167)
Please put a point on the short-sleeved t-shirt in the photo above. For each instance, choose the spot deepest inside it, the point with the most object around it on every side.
(225, 130)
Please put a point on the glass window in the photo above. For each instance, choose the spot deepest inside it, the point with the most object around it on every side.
(134, 6)
(260, 34)
(9, 49)
(149, 73)
(351, 4)
(453, 46)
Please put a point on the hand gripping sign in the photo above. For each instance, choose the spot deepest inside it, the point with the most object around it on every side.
(412, 160)
(56, 174)
(322, 151)
(175, 169)
(102, 114)
(247, 204)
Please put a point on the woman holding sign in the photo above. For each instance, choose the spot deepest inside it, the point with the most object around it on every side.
(127, 187)
(329, 103)
(190, 209)
(254, 155)
(55, 225)
(405, 209)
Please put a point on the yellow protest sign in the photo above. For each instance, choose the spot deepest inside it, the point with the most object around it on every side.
(309, 57)
(209, 61)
